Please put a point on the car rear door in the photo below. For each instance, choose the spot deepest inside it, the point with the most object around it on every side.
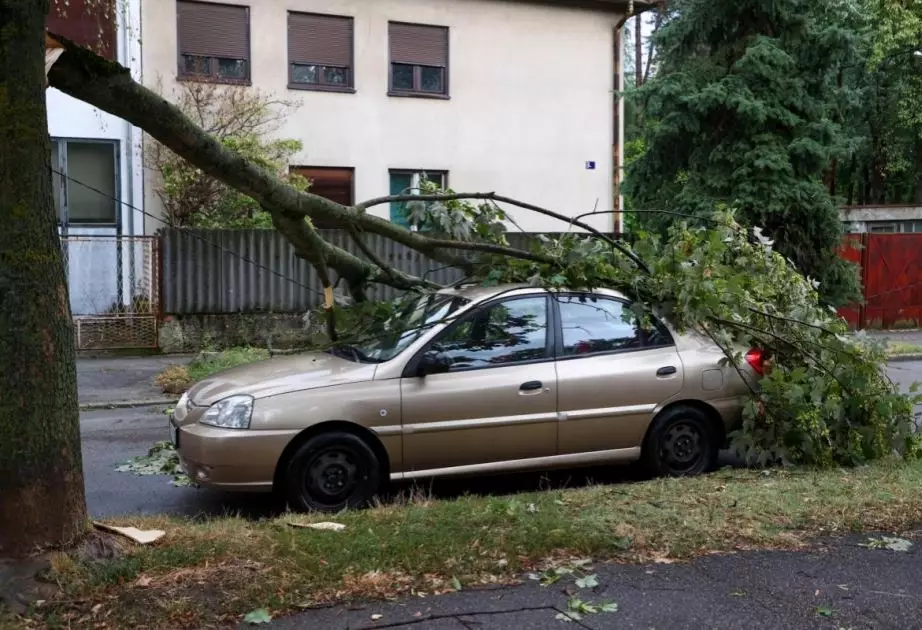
(610, 374)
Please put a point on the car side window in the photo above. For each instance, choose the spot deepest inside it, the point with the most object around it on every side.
(593, 324)
(507, 332)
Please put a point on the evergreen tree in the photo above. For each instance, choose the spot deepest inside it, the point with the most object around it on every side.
(745, 110)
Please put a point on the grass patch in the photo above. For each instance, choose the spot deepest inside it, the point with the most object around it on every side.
(178, 378)
(215, 571)
(897, 349)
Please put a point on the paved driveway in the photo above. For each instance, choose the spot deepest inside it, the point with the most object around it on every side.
(122, 379)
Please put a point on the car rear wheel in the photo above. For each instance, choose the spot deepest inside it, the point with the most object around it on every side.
(331, 472)
(681, 442)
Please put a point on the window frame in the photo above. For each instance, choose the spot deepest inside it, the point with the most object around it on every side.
(411, 369)
(417, 91)
(411, 172)
(349, 87)
(213, 75)
(558, 331)
(63, 191)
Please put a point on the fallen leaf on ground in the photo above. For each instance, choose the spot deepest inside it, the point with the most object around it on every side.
(589, 581)
(889, 542)
(375, 617)
(144, 537)
(258, 616)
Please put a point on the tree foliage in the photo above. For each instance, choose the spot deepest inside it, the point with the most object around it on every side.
(825, 399)
(886, 166)
(743, 110)
(244, 120)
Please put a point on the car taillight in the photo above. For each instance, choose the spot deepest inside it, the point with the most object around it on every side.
(756, 360)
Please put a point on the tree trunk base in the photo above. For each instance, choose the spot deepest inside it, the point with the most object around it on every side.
(25, 582)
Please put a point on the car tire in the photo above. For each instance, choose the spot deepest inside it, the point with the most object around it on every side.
(331, 472)
(681, 442)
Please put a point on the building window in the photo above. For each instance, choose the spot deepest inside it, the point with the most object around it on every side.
(85, 182)
(335, 184)
(407, 182)
(419, 60)
(214, 42)
(320, 52)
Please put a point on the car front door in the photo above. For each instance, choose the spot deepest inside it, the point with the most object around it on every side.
(610, 374)
(497, 401)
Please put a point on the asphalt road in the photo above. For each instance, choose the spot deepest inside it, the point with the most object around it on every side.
(112, 436)
(838, 585)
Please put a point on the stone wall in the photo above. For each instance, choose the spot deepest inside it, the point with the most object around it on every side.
(194, 333)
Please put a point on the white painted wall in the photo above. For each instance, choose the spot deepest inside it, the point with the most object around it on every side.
(531, 88)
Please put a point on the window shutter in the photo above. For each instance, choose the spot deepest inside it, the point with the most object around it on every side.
(324, 40)
(214, 30)
(416, 44)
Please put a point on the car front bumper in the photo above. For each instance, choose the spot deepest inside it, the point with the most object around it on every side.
(229, 459)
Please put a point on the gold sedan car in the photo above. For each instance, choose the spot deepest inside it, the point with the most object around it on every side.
(471, 380)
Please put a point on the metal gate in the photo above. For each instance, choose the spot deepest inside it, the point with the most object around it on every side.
(114, 284)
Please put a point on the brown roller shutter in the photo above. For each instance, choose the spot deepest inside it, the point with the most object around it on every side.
(214, 30)
(418, 45)
(324, 40)
(87, 24)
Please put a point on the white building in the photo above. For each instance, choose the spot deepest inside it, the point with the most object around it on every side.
(97, 158)
(512, 96)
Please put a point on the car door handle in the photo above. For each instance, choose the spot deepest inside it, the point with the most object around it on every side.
(666, 371)
(531, 386)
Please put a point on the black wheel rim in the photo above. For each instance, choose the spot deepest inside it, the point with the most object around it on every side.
(683, 447)
(331, 477)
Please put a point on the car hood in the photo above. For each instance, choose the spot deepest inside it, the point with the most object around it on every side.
(281, 375)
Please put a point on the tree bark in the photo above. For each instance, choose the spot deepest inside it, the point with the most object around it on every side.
(638, 50)
(41, 478)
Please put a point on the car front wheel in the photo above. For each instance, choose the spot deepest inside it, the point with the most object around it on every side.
(331, 472)
(681, 442)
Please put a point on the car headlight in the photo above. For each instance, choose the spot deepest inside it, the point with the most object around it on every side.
(183, 401)
(233, 412)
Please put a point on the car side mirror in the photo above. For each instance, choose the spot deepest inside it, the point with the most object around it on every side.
(434, 362)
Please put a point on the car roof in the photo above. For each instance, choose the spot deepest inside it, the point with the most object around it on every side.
(478, 293)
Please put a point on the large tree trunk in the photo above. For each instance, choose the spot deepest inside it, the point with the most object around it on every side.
(41, 477)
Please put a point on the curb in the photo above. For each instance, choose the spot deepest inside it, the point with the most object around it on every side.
(127, 404)
(904, 358)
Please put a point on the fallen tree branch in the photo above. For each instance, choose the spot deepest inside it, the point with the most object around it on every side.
(86, 76)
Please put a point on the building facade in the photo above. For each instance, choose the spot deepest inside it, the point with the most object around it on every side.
(96, 165)
(518, 97)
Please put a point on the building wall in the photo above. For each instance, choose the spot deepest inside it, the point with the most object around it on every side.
(72, 119)
(531, 97)
(93, 272)
(883, 218)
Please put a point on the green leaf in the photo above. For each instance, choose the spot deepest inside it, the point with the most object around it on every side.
(258, 616)
(455, 583)
(588, 581)
(823, 611)
(609, 607)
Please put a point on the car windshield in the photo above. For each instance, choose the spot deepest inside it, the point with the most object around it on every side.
(404, 327)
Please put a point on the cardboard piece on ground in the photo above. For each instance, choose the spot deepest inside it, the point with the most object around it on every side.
(325, 526)
(143, 537)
